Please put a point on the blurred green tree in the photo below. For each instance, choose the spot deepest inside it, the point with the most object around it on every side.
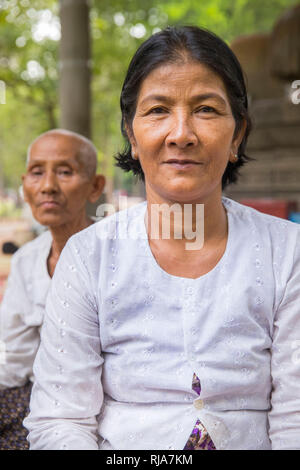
(29, 39)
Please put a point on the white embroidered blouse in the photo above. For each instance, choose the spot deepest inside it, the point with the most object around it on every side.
(22, 311)
(122, 339)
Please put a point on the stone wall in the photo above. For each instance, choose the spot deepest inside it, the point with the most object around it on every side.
(275, 140)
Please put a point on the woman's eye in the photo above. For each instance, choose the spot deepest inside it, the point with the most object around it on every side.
(157, 110)
(206, 109)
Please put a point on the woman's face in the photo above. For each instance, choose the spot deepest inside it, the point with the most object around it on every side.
(182, 132)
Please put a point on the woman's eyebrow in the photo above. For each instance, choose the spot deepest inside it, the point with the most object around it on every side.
(205, 96)
(161, 98)
(198, 97)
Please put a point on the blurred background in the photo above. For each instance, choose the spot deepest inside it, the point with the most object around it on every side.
(62, 64)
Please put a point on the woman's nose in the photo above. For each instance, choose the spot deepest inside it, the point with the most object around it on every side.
(182, 132)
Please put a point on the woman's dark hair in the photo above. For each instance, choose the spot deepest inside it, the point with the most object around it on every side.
(172, 45)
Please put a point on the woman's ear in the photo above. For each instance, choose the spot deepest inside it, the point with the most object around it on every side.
(132, 140)
(98, 184)
(236, 142)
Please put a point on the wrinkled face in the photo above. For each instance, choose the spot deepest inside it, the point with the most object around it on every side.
(56, 185)
(183, 132)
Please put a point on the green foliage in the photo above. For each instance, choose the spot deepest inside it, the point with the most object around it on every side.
(227, 18)
(29, 69)
(29, 63)
(9, 209)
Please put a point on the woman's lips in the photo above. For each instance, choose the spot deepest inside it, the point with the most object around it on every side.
(182, 164)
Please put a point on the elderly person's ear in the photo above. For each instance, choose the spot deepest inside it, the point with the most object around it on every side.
(22, 189)
(98, 184)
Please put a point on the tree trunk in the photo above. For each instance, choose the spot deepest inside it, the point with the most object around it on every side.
(75, 75)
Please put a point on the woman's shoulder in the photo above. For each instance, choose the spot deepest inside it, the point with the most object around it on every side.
(251, 215)
(278, 237)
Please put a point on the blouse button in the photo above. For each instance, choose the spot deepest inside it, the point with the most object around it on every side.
(190, 290)
(198, 404)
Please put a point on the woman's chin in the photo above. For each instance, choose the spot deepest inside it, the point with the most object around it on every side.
(184, 195)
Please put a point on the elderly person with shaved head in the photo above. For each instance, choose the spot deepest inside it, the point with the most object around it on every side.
(60, 179)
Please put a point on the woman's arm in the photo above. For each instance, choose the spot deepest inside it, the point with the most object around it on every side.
(284, 417)
(67, 393)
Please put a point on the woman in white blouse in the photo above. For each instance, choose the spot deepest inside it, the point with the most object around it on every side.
(151, 342)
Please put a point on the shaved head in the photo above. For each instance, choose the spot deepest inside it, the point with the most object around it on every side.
(86, 152)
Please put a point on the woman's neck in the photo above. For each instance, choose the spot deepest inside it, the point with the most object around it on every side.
(187, 226)
(183, 256)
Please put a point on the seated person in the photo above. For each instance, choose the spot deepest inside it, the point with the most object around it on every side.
(157, 342)
(60, 179)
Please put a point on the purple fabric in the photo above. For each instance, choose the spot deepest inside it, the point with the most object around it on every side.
(199, 438)
(196, 384)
